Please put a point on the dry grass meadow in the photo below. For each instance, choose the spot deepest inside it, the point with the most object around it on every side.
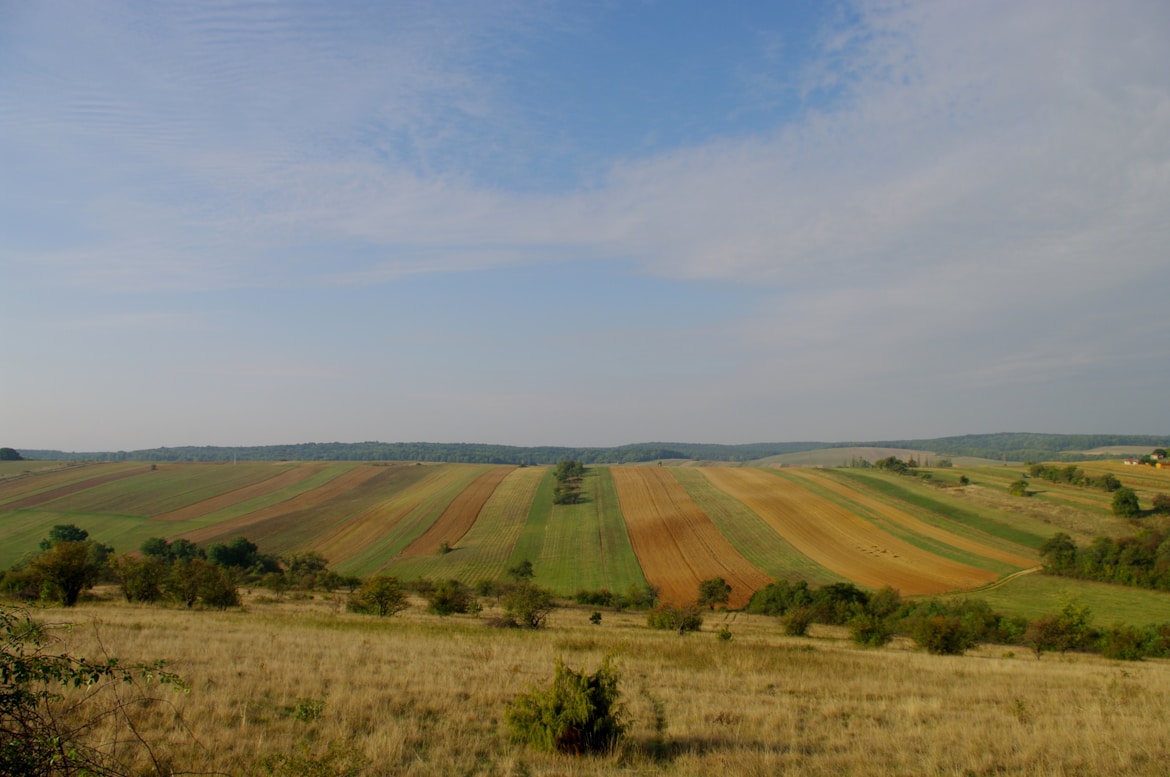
(423, 695)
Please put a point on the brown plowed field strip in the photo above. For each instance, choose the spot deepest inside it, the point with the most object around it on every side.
(72, 488)
(915, 525)
(281, 479)
(841, 541)
(675, 542)
(339, 485)
(459, 516)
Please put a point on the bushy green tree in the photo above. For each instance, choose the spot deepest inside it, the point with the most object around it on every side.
(1125, 503)
(67, 569)
(140, 578)
(528, 605)
(449, 597)
(382, 595)
(714, 591)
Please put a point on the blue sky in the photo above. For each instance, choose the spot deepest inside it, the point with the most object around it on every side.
(581, 223)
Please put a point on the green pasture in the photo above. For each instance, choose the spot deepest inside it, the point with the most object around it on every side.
(749, 534)
(581, 546)
(1034, 595)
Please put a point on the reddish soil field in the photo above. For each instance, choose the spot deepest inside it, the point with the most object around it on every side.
(459, 516)
(280, 479)
(841, 541)
(675, 541)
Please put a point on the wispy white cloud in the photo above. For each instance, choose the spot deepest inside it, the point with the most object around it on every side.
(971, 197)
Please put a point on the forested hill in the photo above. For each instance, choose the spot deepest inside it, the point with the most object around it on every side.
(1013, 446)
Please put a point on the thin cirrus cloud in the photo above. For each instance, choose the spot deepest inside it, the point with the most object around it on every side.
(955, 198)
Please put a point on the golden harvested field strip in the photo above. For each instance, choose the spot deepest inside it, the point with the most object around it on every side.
(459, 516)
(335, 487)
(912, 523)
(281, 478)
(843, 542)
(73, 488)
(676, 543)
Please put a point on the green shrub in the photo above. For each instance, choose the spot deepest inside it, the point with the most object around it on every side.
(1124, 643)
(870, 630)
(680, 619)
(448, 597)
(528, 604)
(942, 635)
(579, 713)
(797, 621)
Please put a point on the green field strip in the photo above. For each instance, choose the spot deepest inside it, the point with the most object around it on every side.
(287, 494)
(892, 527)
(164, 489)
(379, 556)
(952, 517)
(21, 531)
(297, 529)
(530, 543)
(574, 547)
(1032, 596)
(483, 553)
(750, 534)
(12, 494)
(617, 552)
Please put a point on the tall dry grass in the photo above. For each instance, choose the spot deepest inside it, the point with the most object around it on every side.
(420, 695)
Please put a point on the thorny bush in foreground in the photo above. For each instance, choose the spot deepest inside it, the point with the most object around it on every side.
(44, 733)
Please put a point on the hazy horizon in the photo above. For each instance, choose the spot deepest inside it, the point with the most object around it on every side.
(238, 223)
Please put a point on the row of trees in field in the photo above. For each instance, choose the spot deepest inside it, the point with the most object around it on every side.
(568, 474)
(1142, 560)
(950, 626)
(1073, 475)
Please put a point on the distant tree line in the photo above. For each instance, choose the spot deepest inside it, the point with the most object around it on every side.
(1008, 446)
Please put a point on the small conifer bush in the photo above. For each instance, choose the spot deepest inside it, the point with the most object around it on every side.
(579, 713)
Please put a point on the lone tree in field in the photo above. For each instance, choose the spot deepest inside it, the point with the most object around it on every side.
(10, 454)
(522, 571)
(714, 591)
(528, 605)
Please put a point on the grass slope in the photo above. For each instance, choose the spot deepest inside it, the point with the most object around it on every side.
(581, 546)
